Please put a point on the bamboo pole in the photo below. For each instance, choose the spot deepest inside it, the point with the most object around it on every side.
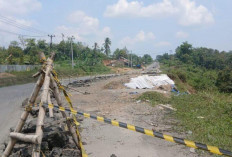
(42, 57)
(44, 99)
(24, 137)
(55, 89)
(50, 109)
(24, 116)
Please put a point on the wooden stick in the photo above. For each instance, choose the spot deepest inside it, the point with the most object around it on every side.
(59, 102)
(50, 109)
(24, 137)
(36, 74)
(52, 55)
(24, 116)
(42, 57)
(44, 99)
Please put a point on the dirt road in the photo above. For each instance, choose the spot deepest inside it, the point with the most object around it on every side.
(104, 140)
(111, 99)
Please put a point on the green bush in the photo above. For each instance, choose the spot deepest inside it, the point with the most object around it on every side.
(224, 80)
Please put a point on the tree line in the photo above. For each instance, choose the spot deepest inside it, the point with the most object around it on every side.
(206, 59)
(25, 51)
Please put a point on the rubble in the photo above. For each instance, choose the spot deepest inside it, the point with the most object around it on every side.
(57, 142)
(85, 82)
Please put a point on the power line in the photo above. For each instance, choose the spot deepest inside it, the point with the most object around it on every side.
(22, 25)
(9, 32)
(18, 26)
(14, 23)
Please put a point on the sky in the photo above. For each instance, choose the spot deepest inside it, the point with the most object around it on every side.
(143, 26)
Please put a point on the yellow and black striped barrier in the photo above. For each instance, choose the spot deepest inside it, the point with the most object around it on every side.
(83, 153)
(152, 133)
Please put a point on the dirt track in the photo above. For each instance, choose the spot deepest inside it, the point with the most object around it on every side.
(103, 140)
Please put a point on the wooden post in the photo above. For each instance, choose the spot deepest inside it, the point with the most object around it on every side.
(42, 57)
(44, 99)
(50, 109)
(59, 102)
(24, 137)
(24, 116)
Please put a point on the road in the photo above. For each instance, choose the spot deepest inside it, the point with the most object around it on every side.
(11, 99)
(103, 140)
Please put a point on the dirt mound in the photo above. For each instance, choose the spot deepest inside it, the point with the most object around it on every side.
(6, 75)
(165, 87)
(120, 70)
(114, 85)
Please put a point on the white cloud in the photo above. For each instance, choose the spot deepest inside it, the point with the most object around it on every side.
(9, 33)
(139, 37)
(83, 20)
(9, 11)
(137, 9)
(16, 7)
(163, 44)
(69, 31)
(182, 34)
(84, 28)
(186, 11)
(194, 15)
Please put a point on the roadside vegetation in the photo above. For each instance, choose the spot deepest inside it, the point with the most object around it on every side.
(87, 60)
(25, 51)
(207, 111)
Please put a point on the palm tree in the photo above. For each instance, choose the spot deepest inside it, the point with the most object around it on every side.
(107, 46)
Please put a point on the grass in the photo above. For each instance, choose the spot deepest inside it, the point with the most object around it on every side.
(67, 71)
(207, 114)
(19, 78)
(191, 78)
(63, 70)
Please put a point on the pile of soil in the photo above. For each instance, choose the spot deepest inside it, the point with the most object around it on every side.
(114, 85)
(120, 70)
(117, 84)
(6, 75)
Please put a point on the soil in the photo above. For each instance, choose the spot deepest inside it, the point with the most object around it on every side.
(110, 99)
(6, 75)
(119, 84)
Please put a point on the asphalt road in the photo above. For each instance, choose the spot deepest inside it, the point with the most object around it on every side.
(11, 99)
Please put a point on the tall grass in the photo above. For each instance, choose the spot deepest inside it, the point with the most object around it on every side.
(207, 114)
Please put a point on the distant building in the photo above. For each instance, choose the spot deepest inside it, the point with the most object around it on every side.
(120, 62)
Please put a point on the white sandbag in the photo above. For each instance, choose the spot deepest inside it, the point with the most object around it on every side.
(145, 81)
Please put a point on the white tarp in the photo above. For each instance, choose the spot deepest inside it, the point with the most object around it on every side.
(146, 81)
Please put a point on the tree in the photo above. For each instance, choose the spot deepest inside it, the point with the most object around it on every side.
(95, 47)
(147, 59)
(31, 50)
(120, 53)
(184, 51)
(224, 80)
(107, 45)
(22, 41)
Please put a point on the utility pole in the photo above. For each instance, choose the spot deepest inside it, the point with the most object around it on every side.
(71, 38)
(63, 41)
(131, 59)
(128, 59)
(51, 36)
